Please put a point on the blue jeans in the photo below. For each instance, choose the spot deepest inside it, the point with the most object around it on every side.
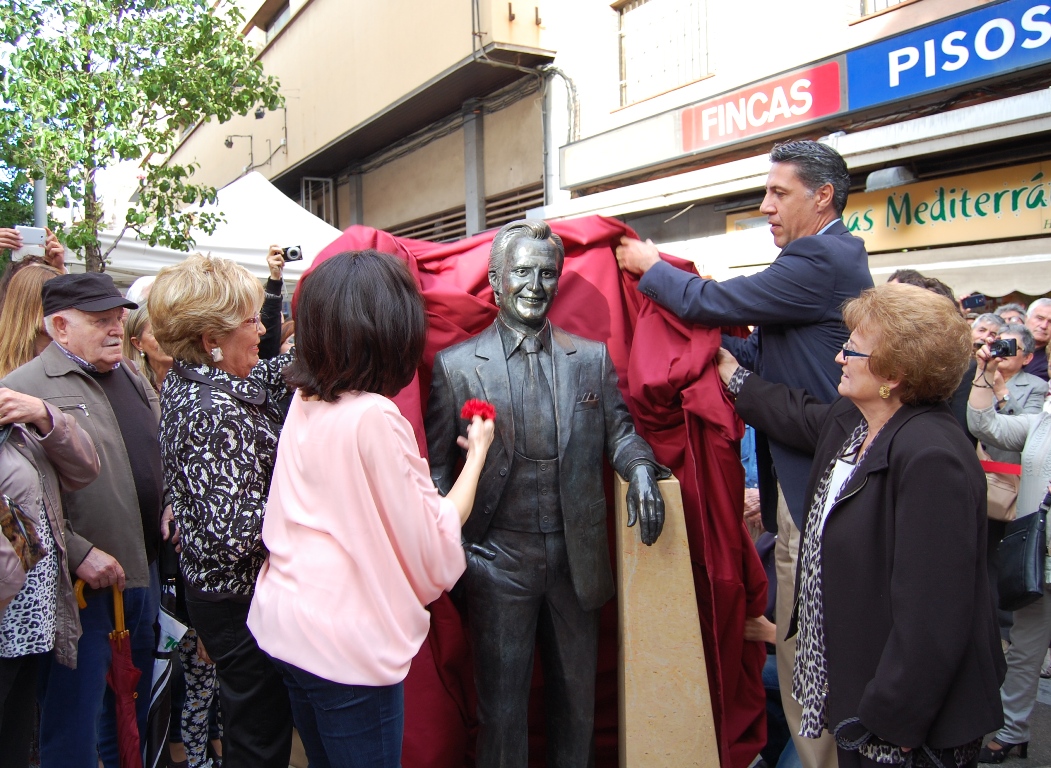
(77, 715)
(346, 725)
(780, 750)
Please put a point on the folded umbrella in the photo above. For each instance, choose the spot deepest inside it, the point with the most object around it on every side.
(122, 678)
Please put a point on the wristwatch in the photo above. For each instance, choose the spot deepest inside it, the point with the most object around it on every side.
(1003, 400)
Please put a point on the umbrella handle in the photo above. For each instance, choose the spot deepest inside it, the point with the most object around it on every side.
(118, 603)
(118, 610)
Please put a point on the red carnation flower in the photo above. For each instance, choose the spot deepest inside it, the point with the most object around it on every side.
(474, 408)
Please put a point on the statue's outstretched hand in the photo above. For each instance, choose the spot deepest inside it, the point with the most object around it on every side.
(645, 503)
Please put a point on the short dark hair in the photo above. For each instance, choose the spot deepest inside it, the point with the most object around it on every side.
(816, 164)
(912, 277)
(360, 327)
(533, 229)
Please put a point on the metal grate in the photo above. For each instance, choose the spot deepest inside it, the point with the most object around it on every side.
(451, 224)
(663, 45)
(508, 206)
(439, 227)
(869, 7)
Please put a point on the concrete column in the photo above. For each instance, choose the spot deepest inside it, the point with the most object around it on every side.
(665, 704)
(357, 199)
(474, 166)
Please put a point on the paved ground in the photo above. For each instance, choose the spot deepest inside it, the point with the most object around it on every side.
(1040, 733)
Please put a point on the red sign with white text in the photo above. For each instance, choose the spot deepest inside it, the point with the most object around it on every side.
(772, 105)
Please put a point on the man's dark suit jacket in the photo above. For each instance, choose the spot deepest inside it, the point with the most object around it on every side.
(592, 421)
(796, 303)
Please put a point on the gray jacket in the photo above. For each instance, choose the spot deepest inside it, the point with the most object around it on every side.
(105, 514)
(34, 470)
(1029, 433)
(1025, 394)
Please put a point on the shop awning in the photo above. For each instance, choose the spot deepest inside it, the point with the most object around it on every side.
(995, 269)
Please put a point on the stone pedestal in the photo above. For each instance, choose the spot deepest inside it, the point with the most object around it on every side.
(665, 705)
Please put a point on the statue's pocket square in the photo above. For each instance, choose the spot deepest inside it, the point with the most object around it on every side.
(587, 400)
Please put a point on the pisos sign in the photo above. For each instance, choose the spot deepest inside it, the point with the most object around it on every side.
(989, 205)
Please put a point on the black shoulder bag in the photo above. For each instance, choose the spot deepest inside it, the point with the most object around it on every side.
(1022, 553)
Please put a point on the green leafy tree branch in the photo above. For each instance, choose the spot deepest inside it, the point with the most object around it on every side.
(89, 83)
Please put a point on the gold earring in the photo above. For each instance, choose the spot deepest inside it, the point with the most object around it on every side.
(884, 391)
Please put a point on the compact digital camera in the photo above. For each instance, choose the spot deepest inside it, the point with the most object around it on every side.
(1003, 348)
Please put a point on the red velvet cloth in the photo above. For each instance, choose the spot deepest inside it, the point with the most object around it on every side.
(674, 393)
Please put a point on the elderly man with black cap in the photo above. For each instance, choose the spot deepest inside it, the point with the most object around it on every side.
(113, 527)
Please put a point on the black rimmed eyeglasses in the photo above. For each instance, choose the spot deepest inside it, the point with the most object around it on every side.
(848, 352)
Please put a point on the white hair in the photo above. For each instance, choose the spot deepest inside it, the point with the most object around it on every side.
(1042, 302)
(70, 315)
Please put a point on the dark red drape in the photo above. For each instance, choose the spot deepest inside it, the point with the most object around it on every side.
(673, 391)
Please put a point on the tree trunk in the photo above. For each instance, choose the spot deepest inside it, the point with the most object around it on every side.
(93, 261)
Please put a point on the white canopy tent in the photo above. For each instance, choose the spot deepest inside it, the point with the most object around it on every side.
(256, 214)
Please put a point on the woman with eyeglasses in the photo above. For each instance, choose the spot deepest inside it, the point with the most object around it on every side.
(220, 424)
(898, 654)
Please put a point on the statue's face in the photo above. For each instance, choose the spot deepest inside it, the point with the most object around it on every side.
(527, 284)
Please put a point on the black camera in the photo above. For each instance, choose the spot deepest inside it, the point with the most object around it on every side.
(1003, 348)
(292, 253)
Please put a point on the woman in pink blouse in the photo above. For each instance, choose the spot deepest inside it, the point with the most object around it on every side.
(359, 539)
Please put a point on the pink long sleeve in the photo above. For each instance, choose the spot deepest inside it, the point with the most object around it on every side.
(360, 542)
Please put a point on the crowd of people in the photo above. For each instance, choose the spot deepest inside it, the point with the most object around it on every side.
(188, 418)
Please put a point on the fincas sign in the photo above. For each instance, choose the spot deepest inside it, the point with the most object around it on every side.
(769, 106)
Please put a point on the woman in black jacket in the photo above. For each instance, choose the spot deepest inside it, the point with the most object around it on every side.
(898, 654)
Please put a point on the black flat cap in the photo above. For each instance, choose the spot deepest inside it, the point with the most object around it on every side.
(87, 291)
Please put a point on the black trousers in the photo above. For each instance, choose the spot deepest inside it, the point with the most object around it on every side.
(257, 716)
(522, 598)
(18, 684)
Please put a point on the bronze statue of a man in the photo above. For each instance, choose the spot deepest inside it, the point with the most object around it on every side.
(538, 567)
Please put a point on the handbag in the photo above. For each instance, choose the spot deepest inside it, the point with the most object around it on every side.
(1002, 481)
(1022, 553)
(21, 531)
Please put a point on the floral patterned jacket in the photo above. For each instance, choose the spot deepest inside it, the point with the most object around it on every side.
(219, 438)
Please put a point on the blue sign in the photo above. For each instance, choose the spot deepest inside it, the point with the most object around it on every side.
(992, 40)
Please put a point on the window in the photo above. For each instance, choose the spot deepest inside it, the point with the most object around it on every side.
(869, 7)
(663, 45)
(318, 195)
(278, 21)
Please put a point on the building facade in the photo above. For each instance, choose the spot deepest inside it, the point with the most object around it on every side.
(443, 118)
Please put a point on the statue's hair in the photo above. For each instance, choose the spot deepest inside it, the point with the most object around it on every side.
(534, 229)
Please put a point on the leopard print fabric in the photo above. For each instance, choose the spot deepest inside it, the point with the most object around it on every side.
(810, 674)
(28, 624)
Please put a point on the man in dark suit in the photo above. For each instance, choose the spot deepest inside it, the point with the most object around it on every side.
(795, 304)
(538, 567)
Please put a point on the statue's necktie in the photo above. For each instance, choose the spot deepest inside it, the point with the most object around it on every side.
(541, 433)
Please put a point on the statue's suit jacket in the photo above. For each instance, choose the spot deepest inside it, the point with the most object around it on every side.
(592, 420)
